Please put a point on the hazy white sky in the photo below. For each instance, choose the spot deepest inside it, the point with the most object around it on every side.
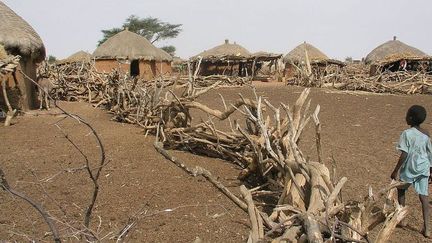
(340, 28)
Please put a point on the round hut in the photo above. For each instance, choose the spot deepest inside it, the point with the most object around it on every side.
(395, 55)
(265, 65)
(304, 57)
(227, 59)
(78, 57)
(19, 38)
(132, 54)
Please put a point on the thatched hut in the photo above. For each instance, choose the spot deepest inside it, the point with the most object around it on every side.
(395, 55)
(132, 54)
(227, 59)
(19, 38)
(78, 57)
(265, 65)
(309, 59)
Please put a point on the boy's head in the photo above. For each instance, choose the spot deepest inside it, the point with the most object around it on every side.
(416, 115)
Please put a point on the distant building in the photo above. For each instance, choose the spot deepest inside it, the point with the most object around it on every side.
(230, 59)
(395, 55)
(297, 59)
(78, 57)
(132, 54)
(17, 37)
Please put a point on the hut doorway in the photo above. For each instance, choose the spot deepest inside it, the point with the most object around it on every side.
(134, 68)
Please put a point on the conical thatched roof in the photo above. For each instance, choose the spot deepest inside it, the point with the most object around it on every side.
(394, 50)
(128, 45)
(298, 54)
(81, 56)
(18, 37)
(226, 50)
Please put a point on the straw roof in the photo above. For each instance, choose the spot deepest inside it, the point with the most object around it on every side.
(265, 56)
(225, 51)
(264, 53)
(80, 56)
(392, 51)
(298, 54)
(18, 37)
(129, 45)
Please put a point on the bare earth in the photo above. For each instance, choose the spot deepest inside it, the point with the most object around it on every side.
(360, 130)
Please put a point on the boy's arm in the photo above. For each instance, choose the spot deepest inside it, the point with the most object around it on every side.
(401, 160)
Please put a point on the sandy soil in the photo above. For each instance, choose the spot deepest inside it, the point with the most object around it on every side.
(360, 130)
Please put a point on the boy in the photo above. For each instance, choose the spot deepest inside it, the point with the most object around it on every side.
(415, 161)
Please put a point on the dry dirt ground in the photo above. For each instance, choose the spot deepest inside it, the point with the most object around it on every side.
(360, 130)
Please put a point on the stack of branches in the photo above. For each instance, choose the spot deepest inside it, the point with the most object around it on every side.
(129, 99)
(317, 75)
(308, 207)
(356, 77)
(76, 81)
(400, 82)
(206, 81)
(8, 67)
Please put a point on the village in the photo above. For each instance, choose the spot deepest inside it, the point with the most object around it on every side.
(131, 143)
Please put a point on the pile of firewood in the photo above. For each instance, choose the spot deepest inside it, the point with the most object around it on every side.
(316, 76)
(205, 81)
(75, 81)
(356, 77)
(265, 143)
(391, 82)
(308, 207)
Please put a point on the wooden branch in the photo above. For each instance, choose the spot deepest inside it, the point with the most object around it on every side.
(318, 132)
(216, 113)
(254, 234)
(312, 229)
(390, 224)
(11, 112)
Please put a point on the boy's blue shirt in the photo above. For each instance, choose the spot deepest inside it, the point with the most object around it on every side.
(418, 147)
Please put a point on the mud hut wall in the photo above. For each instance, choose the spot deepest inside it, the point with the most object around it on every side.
(151, 69)
(164, 68)
(146, 69)
(107, 65)
(26, 87)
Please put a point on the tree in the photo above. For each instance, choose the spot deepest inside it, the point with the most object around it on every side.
(151, 28)
(52, 59)
(169, 49)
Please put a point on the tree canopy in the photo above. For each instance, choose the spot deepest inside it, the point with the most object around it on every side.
(51, 59)
(169, 49)
(151, 28)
